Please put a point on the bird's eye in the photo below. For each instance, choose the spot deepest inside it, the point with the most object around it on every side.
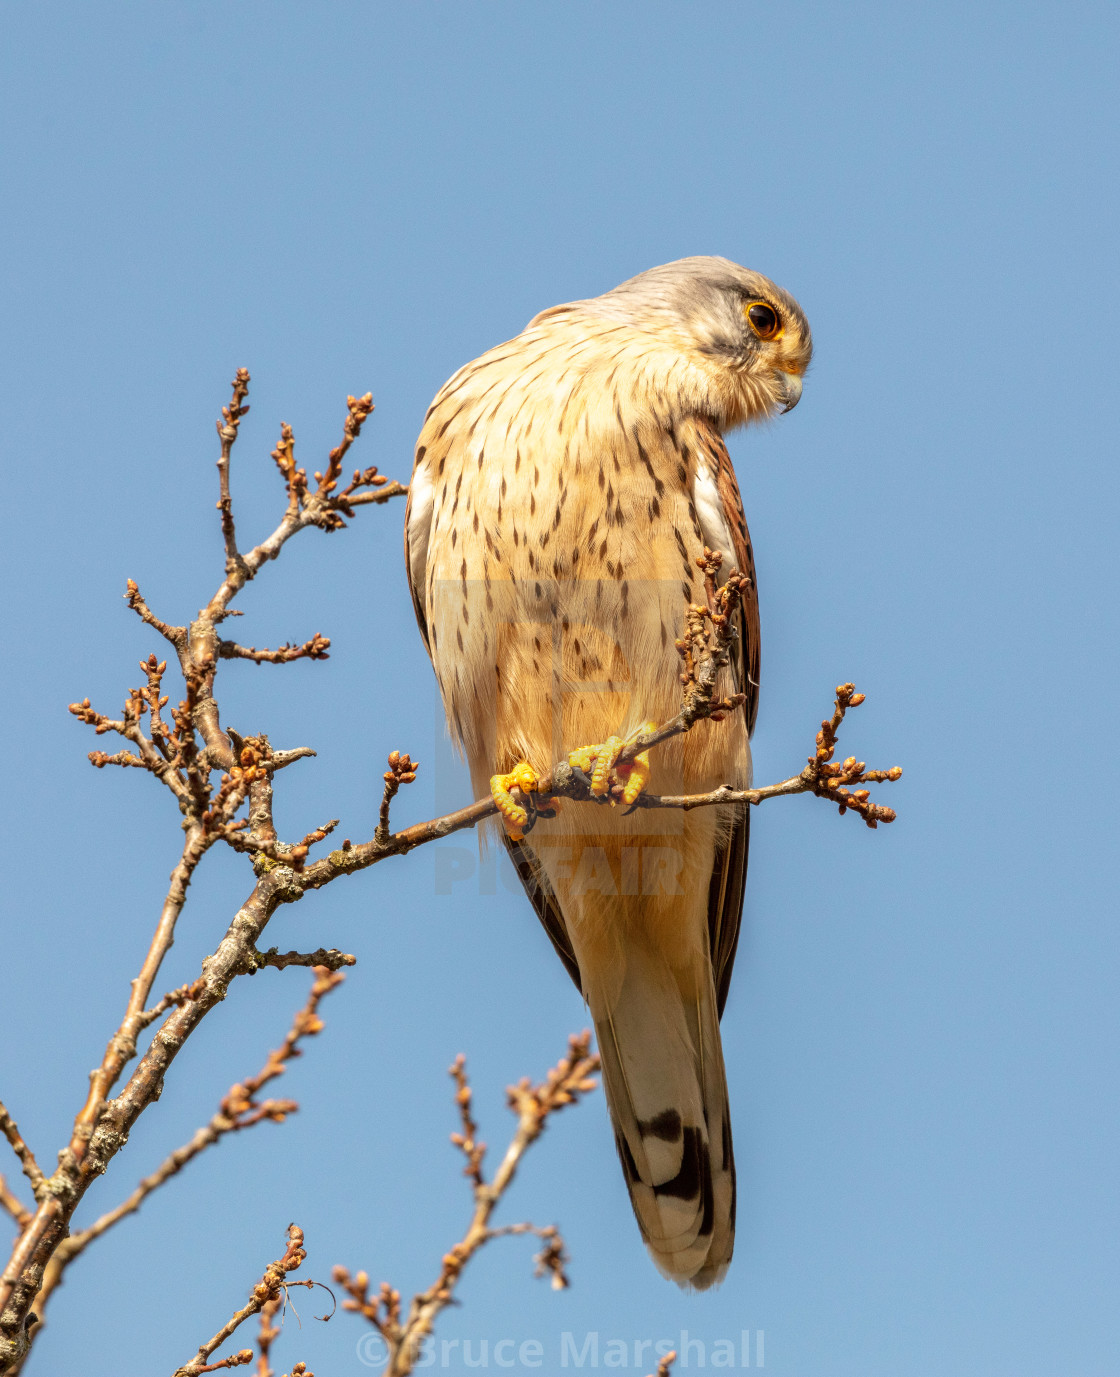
(765, 321)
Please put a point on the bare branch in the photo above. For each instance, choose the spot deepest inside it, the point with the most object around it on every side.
(381, 495)
(268, 1332)
(238, 1110)
(467, 1141)
(820, 777)
(100, 759)
(358, 411)
(265, 850)
(533, 1104)
(177, 635)
(227, 432)
(279, 759)
(27, 1161)
(402, 770)
(330, 958)
(240, 1359)
(314, 649)
(323, 507)
(172, 1000)
(270, 1286)
(295, 479)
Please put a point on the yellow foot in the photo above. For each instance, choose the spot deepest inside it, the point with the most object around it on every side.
(599, 762)
(522, 777)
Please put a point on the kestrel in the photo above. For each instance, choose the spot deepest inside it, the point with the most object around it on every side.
(565, 485)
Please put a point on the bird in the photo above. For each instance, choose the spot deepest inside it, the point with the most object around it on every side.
(567, 485)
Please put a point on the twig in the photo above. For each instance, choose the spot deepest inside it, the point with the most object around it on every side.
(467, 1141)
(26, 1157)
(177, 635)
(240, 1359)
(279, 759)
(820, 776)
(268, 850)
(330, 958)
(171, 1000)
(270, 1286)
(322, 507)
(227, 432)
(402, 770)
(533, 1104)
(268, 1333)
(314, 649)
(100, 759)
(377, 497)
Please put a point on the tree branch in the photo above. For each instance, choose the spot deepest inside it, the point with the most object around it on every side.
(532, 1104)
(820, 777)
(227, 432)
(402, 770)
(26, 1157)
(239, 1109)
(177, 635)
(329, 958)
(314, 649)
(271, 1285)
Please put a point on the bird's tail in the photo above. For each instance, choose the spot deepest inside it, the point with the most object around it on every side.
(658, 1033)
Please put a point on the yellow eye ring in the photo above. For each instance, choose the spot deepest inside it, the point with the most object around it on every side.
(763, 320)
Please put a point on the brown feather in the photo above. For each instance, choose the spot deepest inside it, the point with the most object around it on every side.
(729, 873)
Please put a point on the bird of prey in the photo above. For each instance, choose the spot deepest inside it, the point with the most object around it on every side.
(565, 485)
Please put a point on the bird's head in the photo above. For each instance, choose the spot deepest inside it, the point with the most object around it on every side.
(747, 336)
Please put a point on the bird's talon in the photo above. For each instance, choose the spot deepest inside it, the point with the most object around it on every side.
(636, 774)
(606, 781)
(514, 816)
(598, 760)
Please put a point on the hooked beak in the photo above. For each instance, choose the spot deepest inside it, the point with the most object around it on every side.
(791, 390)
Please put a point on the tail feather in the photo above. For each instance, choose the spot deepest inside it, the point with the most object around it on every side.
(664, 1077)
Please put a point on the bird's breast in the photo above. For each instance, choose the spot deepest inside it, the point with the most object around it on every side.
(560, 562)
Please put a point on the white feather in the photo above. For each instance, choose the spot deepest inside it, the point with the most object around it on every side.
(709, 510)
(422, 494)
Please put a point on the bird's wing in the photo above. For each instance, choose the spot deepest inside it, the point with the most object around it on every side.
(544, 901)
(745, 659)
(417, 527)
(729, 874)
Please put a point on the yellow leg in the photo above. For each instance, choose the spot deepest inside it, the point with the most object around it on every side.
(599, 761)
(523, 777)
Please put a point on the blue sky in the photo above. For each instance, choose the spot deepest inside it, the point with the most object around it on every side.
(922, 1033)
